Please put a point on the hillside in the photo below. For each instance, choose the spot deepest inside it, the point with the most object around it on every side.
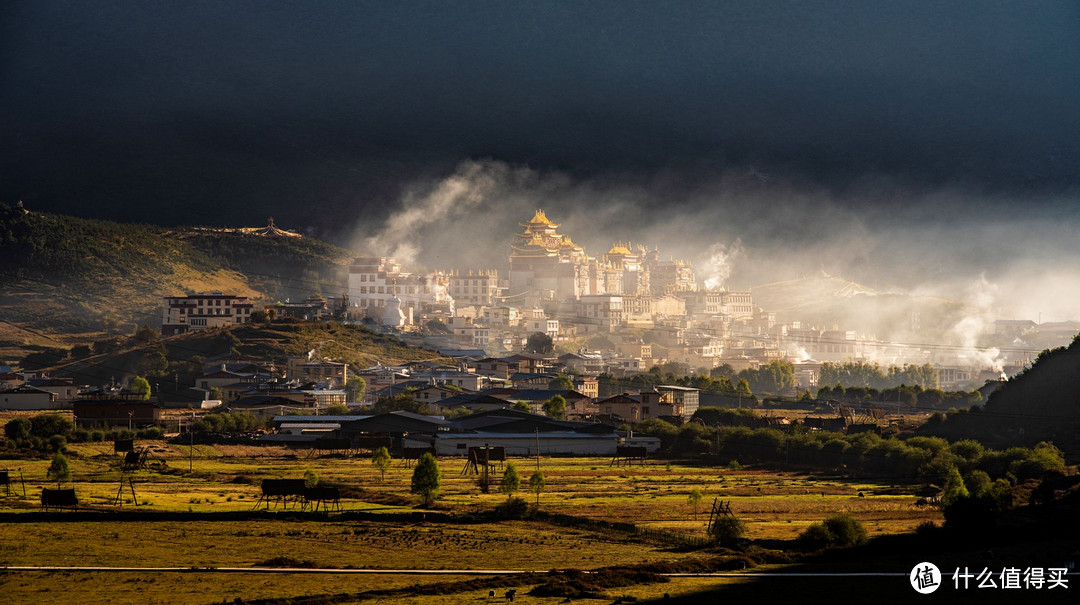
(1040, 404)
(824, 301)
(177, 359)
(64, 280)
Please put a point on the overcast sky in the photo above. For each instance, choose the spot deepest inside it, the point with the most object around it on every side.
(327, 114)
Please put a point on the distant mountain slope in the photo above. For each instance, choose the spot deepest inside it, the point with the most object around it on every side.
(62, 276)
(824, 301)
(1040, 404)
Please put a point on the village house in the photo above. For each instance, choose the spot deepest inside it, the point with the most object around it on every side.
(26, 397)
(305, 370)
(201, 311)
(115, 407)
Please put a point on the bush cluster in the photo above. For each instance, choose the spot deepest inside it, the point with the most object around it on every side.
(837, 531)
(927, 458)
(227, 422)
(52, 433)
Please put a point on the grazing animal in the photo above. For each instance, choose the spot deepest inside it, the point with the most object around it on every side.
(510, 594)
(491, 594)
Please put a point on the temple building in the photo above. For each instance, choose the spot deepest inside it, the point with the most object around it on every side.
(546, 265)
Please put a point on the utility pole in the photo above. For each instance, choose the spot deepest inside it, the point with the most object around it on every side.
(191, 441)
(538, 449)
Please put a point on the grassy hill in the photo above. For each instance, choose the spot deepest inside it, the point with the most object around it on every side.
(64, 280)
(179, 358)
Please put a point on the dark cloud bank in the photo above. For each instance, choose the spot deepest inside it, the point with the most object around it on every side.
(922, 145)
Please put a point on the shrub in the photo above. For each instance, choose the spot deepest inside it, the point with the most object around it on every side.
(846, 530)
(513, 508)
(97, 435)
(47, 425)
(17, 428)
(814, 537)
(727, 530)
(153, 432)
(80, 435)
(839, 530)
(57, 443)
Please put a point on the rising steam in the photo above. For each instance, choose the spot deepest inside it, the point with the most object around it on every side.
(995, 265)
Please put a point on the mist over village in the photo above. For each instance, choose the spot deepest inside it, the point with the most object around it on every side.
(546, 302)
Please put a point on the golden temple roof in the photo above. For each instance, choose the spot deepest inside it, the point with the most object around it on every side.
(619, 249)
(541, 219)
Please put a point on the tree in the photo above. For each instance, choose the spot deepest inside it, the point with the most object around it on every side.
(140, 385)
(380, 459)
(954, 488)
(47, 425)
(146, 334)
(154, 363)
(59, 469)
(723, 370)
(743, 389)
(555, 407)
(259, 316)
(399, 403)
(355, 388)
(539, 343)
(521, 406)
(727, 530)
(425, 479)
(17, 428)
(694, 500)
(311, 479)
(336, 409)
(561, 382)
(511, 482)
(537, 485)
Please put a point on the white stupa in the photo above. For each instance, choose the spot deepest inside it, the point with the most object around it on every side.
(393, 315)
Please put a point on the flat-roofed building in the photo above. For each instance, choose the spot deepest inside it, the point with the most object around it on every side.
(201, 311)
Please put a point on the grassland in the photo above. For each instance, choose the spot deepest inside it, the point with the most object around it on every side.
(776, 505)
(225, 479)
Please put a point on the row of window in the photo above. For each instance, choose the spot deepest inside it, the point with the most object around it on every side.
(226, 312)
(393, 290)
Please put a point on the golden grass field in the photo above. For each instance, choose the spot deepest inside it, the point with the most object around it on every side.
(775, 505)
